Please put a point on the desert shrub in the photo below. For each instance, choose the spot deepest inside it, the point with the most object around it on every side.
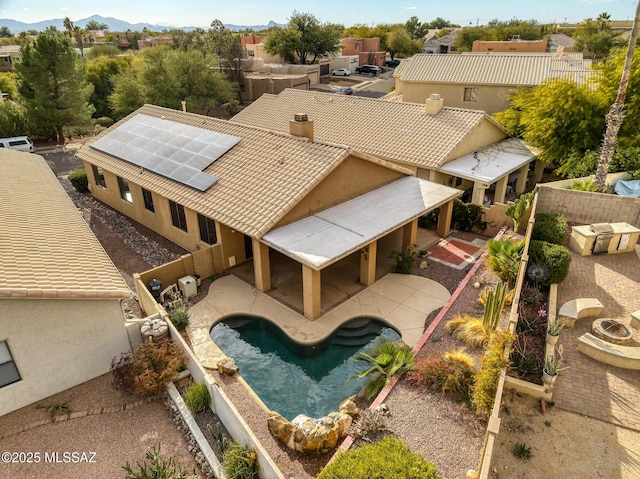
(240, 462)
(197, 397)
(385, 359)
(80, 131)
(467, 216)
(368, 424)
(550, 227)
(180, 318)
(55, 409)
(156, 467)
(556, 257)
(404, 260)
(79, 180)
(452, 373)
(468, 330)
(389, 458)
(504, 258)
(104, 121)
(147, 370)
(486, 383)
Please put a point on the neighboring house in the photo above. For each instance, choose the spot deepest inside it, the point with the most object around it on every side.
(465, 149)
(245, 192)
(9, 54)
(61, 318)
(560, 42)
(256, 84)
(482, 81)
(148, 42)
(515, 45)
(367, 49)
(434, 45)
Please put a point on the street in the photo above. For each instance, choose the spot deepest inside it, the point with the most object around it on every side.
(63, 157)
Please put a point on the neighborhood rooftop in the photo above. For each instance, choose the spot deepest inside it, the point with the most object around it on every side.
(394, 131)
(47, 250)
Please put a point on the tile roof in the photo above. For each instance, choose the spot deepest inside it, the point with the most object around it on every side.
(391, 130)
(261, 178)
(478, 69)
(46, 248)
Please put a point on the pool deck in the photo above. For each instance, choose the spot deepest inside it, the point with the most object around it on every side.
(404, 301)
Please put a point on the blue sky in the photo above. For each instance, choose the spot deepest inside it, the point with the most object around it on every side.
(256, 12)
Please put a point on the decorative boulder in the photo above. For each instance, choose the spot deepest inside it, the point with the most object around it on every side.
(306, 434)
(228, 367)
(349, 407)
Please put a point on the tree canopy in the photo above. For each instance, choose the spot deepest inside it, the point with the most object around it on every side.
(95, 25)
(51, 84)
(304, 39)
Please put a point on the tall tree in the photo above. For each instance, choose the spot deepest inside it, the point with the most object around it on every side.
(5, 32)
(95, 25)
(75, 33)
(218, 39)
(51, 84)
(304, 39)
(100, 73)
(616, 112)
(416, 29)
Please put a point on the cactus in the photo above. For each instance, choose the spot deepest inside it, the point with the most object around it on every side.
(518, 208)
(494, 304)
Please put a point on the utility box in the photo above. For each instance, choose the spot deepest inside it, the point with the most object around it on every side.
(187, 286)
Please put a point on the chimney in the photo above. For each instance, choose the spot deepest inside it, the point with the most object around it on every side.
(434, 104)
(301, 126)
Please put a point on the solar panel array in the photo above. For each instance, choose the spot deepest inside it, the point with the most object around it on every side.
(174, 150)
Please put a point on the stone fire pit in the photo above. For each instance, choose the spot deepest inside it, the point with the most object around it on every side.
(612, 331)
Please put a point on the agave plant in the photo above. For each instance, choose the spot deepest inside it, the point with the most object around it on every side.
(385, 359)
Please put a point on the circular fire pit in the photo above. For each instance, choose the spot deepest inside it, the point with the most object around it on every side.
(611, 331)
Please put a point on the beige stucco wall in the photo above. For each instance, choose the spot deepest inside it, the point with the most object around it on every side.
(353, 177)
(486, 133)
(491, 98)
(57, 344)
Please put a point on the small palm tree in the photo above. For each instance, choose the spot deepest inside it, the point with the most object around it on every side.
(386, 359)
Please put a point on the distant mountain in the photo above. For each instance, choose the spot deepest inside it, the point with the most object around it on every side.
(114, 25)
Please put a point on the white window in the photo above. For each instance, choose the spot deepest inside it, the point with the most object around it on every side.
(8, 371)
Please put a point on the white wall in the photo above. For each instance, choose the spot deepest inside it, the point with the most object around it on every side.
(57, 344)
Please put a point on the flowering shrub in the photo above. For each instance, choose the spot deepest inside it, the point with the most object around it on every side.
(452, 373)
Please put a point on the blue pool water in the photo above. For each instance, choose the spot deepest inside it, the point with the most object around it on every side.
(293, 379)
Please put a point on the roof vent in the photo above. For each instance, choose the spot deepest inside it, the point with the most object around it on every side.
(435, 96)
(300, 117)
(433, 105)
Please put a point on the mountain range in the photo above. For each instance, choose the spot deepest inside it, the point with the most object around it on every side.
(115, 25)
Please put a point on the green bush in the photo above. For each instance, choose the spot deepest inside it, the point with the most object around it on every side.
(240, 462)
(453, 373)
(104, 121)
(556, 257)
(156, 467)
(429, 219)
(389, 458)
(583, 186)
(504, 258)
(79, 180)
(404, 260)
(197, 397)
(467, 216)
(550, 227)
(180, 318)
(486, 383)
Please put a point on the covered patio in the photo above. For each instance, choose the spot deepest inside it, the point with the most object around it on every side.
(348, 241)
(504, 164)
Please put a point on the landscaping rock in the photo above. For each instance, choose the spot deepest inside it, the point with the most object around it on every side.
(228, 367)
(306, 434)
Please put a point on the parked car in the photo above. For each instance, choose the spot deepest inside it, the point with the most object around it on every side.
(20, 143)
(341, 72)
(345, 90)
(368, 70)
(392, 63)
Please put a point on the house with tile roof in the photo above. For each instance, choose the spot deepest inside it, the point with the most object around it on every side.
(482, 81)
(245, 192)
(466, 149)
(61, 318)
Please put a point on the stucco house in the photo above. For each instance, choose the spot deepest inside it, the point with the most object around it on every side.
(61, 318)
(462, 148)
(247, 193)
(483, 81)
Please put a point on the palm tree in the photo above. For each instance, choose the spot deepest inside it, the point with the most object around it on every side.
(616, 112)
(603, 20)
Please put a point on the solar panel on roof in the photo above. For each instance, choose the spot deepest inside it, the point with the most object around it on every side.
(174, 150)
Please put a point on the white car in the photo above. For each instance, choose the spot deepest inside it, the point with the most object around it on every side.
(341, 72)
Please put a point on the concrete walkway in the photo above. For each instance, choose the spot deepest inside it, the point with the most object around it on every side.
(404, 301)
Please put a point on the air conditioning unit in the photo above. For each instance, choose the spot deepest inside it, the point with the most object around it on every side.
(187, 286)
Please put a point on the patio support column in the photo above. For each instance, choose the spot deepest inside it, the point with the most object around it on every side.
(538, 171)
(444, 219)
(368, 263)
(409, 234)
(261, 265)
(521, 182)
(501, 190)
(311, 292)
(478, 193)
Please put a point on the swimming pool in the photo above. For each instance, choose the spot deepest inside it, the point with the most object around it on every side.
(293, 379)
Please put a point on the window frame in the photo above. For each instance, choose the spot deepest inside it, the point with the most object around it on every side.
(470, 94)
(178, 216)
(98, 176)
(147, 196)
(208, 229)
(11, 362)
(125, 190)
